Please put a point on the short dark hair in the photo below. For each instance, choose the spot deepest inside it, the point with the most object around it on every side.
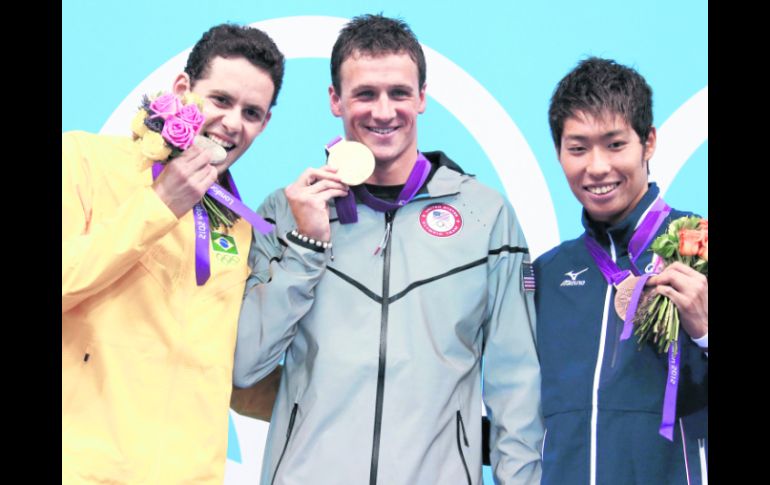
(376, 35)
(229, 41)
(597, 86)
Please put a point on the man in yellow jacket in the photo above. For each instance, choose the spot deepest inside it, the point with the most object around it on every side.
(147, 352)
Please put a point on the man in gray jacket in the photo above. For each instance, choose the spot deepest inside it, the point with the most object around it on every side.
(384, 333)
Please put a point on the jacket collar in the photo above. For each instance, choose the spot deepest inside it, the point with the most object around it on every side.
(622, 231)
(445, 176)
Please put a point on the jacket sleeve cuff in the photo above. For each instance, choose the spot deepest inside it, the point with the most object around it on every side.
(302, 257)
(702, 342)
(312, 244)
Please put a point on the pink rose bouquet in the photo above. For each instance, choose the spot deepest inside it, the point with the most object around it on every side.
(177, 120)
(167, 125)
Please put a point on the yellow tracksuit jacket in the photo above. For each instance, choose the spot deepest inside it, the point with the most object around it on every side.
(147, 355)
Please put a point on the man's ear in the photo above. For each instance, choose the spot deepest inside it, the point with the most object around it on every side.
(421, 97)
(335, 102)
(182, 84)
(649, 145)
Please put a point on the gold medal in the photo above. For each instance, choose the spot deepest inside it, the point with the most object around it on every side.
(353, 160)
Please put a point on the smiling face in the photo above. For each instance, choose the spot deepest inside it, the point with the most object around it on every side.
(236, 104)
(379, 102)
(605, 163)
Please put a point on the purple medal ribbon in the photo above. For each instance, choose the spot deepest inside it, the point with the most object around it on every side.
(639, 242)
(614, 275)
(416, 178)
(233, 202)
(641, 238)
(202, 265)
(669, 398)
(646, 230)
(610, 270)
(346, 206)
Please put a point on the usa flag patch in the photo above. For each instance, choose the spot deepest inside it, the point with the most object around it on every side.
(528, 276)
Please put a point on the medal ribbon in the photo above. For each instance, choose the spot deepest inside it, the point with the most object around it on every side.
(346, 206)
(669, 398)
(202, 265)
(233, 202)
(639, 241)
(614, 275)
(636, 246)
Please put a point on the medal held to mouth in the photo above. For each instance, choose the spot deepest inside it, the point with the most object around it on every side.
(353, 160)
(218, 154)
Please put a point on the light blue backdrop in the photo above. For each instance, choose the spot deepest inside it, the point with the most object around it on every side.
(517, 50)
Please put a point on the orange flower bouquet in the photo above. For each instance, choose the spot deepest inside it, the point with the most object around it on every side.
(686, 241)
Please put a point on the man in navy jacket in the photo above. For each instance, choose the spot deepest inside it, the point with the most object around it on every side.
(602, 396)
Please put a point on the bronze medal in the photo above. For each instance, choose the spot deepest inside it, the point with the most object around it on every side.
(623, 292)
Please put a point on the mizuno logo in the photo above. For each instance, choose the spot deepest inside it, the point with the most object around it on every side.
(573, 281)
(574, 275)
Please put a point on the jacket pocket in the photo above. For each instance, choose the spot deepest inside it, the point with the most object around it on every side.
(286, 444)
(72, 378)
(462, 439)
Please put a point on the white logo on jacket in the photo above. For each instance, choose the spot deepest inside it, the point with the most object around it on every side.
(573, 281)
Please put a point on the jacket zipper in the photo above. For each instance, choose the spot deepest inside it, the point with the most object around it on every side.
(619, 325)
(286, 444)
(461, 427)
(597, 374)
(389, 215)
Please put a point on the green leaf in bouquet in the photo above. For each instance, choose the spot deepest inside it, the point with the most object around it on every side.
(666, 243)
(702, 266)
(693, 222)
(675, 226)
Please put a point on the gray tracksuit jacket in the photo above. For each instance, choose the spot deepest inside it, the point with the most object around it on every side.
(382, 379)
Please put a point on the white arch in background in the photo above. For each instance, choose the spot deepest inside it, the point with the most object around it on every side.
(678, 138)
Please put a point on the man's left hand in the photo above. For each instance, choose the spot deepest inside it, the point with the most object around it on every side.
(689, 290)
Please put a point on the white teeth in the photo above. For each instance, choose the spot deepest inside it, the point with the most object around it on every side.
(382, 131)
(602, 189)
(219, 141)
(218, 154)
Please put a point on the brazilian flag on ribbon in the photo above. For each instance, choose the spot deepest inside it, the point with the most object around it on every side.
(222, 243)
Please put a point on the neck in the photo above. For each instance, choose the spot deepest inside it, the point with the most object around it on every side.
(619, 217)
(393, 172)
(622, 226)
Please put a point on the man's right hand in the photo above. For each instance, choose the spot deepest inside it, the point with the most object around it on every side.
(185, 180)
(308, 197)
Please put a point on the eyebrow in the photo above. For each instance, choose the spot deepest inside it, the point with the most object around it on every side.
(219, 92)
(363, 87)
(609, 134)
